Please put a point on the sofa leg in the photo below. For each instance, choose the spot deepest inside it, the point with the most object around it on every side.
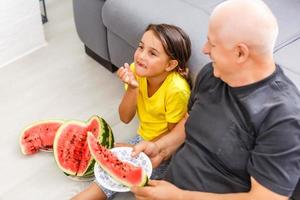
(108, 65)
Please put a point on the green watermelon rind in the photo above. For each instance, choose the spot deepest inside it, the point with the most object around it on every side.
(31, 126)
(90, 170)
(111, 139)
(108, 138)
(144, 174)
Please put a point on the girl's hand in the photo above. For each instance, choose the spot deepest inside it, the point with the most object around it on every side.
(157, 190)
(151, 150)
(127, 76)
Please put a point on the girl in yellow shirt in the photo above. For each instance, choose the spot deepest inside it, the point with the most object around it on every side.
(156, 89)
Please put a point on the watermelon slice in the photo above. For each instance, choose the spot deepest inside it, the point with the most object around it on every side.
(39, 135)
(71, 150)
(123, 172)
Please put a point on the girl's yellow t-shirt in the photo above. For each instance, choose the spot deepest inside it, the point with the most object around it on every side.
(167, 105)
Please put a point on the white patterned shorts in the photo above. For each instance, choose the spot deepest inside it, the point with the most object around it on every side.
(157, 173)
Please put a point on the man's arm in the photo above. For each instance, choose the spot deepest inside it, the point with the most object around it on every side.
(170, 142)
(162, 148)
(257, 192)
(162, 190)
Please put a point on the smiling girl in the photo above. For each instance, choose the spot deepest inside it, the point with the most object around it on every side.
(156, 85)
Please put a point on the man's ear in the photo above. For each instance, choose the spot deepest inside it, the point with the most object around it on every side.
(172, 65)
(241, 52)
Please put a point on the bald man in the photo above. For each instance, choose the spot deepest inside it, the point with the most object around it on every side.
(240, 139)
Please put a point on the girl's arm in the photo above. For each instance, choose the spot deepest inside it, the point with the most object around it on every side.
(127, 108)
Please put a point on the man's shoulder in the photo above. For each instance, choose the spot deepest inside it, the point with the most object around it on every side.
(276, 101)
(284, 91)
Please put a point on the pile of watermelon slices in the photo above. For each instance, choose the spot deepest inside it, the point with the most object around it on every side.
(77, 146)
(68, 141)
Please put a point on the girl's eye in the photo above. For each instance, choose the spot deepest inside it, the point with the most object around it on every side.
(140, 47)
(152, 53)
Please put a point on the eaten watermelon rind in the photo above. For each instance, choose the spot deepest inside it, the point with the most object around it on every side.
(30, 126)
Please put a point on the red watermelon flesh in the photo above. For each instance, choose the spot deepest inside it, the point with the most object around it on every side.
(124, 172)
(70, 146)
(39, 135)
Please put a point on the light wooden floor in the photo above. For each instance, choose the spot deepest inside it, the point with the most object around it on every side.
(57, 81)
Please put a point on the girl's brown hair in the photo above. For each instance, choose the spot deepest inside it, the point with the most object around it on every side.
(176, 43)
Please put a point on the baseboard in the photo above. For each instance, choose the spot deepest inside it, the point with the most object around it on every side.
(108, 65)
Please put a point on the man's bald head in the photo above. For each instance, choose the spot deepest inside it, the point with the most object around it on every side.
(245, 21)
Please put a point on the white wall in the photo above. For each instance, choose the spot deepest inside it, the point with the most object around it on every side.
(21, 30)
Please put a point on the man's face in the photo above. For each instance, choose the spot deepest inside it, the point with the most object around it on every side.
(222, 57)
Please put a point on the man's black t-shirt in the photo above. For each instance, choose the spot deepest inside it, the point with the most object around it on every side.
(235, 133)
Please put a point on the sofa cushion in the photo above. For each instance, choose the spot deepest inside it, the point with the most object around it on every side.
(119, 50)
(89, 25)
(128, 19)
(288, 58)
(206, 6)
(287, 14)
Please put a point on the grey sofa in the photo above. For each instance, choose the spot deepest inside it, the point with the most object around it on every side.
(111, 29)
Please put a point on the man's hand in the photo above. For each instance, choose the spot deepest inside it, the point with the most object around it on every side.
(158, 190)
(151, 150)
(127, 76)
(162, 190)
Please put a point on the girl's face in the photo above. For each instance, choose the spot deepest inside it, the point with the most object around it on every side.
(150, 58)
